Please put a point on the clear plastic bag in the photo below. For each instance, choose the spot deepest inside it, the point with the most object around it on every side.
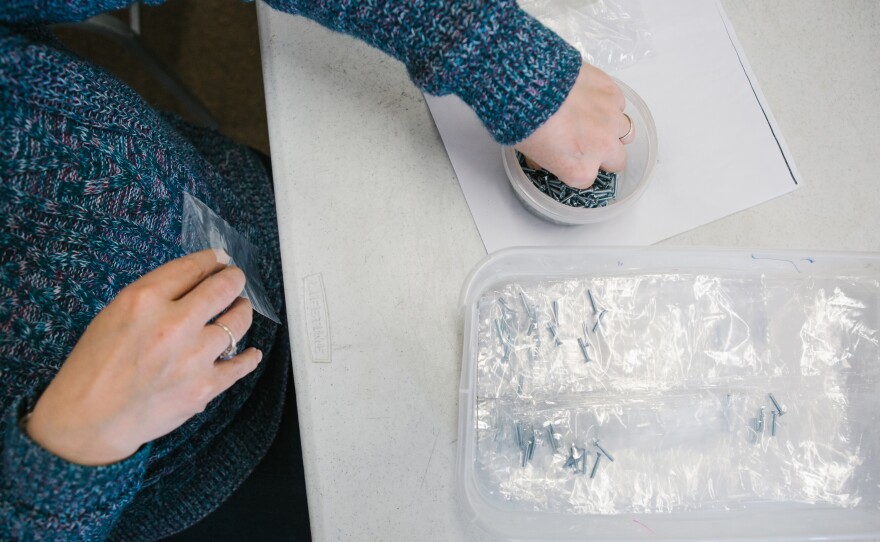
(673, 373)
(203, 229)
(610, 34)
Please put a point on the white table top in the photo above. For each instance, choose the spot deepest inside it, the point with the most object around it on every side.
(368, 201)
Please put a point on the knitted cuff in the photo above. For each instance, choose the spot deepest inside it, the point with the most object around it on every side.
(52, 491)
(511, 70)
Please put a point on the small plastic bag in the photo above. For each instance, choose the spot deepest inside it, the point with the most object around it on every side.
(610, 34)
(203, 229)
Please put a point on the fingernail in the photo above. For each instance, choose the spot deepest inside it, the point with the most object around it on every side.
(222, 256)
(259, 355)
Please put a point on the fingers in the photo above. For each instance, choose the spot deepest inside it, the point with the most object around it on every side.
(532, 164)
(615, 159)
(237, 319)
(177, 277)
(227, 373)
(581, 175)
(210, 297)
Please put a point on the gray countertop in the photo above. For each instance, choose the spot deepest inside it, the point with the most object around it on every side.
(377, 241)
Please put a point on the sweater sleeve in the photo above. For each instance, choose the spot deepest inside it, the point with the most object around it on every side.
(44, 497)
(509, 68)
(59, 11)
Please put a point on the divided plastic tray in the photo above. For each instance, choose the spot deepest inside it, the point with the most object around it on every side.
(691, 344)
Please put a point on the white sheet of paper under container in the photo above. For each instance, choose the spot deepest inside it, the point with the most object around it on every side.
(719, 149)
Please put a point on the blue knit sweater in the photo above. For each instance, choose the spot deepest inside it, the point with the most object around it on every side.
(91, 184)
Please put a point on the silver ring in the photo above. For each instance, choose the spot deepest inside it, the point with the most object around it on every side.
(630, 126)
(230, 350)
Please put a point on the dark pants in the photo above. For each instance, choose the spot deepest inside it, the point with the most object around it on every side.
(271, 504)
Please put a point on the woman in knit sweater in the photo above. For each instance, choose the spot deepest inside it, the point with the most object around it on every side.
(118, 418)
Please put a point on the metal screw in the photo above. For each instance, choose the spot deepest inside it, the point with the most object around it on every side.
(530, 312)
(500, 333)
(760, 424)
(595, 466)
(532, 445)
(592, 301)
(774, 415)
(551, 434)
(571, 461)
(556, 311)
(554, 333)
(584, 350)
(776, 405)
(603, 450)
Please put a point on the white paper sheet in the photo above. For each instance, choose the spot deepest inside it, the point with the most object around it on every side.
(720, 150)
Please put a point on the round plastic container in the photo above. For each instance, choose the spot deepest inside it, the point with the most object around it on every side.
(631, 182)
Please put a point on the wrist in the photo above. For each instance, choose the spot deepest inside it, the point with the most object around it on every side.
(511, 70)
(76, 444)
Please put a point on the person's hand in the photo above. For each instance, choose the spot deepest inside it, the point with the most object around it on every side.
(147, 362)
(585, 134)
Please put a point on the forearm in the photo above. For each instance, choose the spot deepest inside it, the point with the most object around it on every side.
(513, 71)
(43, 497)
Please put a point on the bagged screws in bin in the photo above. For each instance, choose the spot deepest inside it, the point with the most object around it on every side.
(672, 369)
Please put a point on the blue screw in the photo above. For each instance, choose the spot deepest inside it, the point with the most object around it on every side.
(551, 433)
(595, 466)
(571, 461)
(601, 449)
(554, 333)
(501, 337)
(584, 350)
(592, 301)
(776, 405)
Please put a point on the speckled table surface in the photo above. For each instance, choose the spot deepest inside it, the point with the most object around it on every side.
(373, 273)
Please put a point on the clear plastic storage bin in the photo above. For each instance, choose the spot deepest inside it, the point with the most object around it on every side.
(669, 358)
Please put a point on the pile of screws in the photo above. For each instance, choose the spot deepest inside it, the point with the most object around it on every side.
(584, 343)
(758, 423)
(506, 335)
(577, 459)
(600, 194)
(526, 439)
(525, 443)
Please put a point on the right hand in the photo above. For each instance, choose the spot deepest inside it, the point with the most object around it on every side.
(586, 132)
(147, 362)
